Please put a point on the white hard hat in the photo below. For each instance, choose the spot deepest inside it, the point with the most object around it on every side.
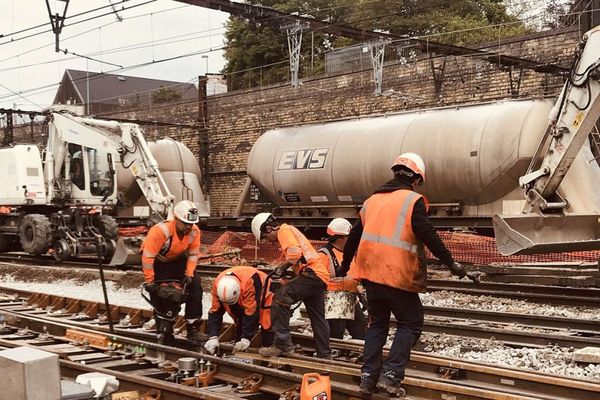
(258, 221)
(339, 226)
(412, 161)
(186, 211)
(228, 289)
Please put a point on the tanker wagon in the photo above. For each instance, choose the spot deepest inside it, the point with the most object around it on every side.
(528, 166)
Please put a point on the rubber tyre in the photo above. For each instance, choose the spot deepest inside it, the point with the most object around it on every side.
(35, 234)
(107, 226)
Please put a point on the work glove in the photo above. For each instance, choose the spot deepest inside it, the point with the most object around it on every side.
(212, 344)
(150, 287)
(241, 345)
(458, 270)
(186, 281)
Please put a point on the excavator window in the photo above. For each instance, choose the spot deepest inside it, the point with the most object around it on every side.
(77, 172)
(99, 170)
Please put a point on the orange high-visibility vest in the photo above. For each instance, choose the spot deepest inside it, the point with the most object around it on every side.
(163, 244)
(388, 251)
(342, 284)
(295, 246)
(247, 299)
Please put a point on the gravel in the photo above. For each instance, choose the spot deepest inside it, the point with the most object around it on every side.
(450, 299)
(551, 359)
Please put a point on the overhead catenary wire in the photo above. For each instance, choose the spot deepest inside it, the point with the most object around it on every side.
(49, 87)
(91, 30)
(75, 23)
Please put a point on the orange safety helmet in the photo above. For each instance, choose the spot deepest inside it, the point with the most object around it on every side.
(413, 162)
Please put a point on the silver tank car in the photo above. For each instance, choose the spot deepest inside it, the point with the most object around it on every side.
(180, 170)
(474, 156)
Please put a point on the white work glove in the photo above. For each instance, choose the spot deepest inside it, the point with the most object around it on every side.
(212, 344)
(242, 345)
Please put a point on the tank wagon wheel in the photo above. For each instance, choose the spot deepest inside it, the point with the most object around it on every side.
(107, 226)
(35, 234)
(61, 250)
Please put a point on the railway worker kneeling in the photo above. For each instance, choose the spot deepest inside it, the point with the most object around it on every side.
(308, 285)
(170, 253)
(244, 293)
(387, 240)
(342, 310)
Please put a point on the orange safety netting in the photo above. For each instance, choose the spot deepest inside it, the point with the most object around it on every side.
(465, 247)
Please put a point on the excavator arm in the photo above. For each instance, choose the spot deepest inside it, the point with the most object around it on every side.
(136, 156)
(545, 224)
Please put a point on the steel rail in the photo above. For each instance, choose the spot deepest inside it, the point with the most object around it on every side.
(420, 385)
(558, 295)
(559, 331)
(514, 381)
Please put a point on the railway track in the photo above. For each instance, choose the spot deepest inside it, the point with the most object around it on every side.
(553, 295)
(427, 378)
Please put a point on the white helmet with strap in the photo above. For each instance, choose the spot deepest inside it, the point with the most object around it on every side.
(339, 227)
(258, 221)
(412, 161)
(228, 289)
(187, 212)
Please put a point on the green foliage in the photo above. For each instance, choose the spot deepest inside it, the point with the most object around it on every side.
(257, 53)
(165, 95)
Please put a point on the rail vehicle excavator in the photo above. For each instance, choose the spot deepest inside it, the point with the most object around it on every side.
(481, 159)
(59, 195)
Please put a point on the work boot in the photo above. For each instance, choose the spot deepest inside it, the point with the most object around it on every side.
(193, 332)
(390, 384)
(274, 351)
(367, 384)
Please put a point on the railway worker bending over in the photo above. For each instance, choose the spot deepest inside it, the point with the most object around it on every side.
(308, 285)
(244, 293)
(342, 310)
(386, 244)
(170, 253)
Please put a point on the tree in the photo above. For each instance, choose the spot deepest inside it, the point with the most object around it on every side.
(165, 95)
(250, 45)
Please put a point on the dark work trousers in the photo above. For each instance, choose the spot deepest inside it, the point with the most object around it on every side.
(356, 327)
(174, 271)
(408, 311)
(266, 335)
(311, 290)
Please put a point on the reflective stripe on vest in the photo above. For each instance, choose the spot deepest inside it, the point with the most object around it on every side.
(306, 248)
(394, 240)
(331, 265)
(167, 244)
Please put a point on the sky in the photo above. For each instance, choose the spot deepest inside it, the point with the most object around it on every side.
(150, 30)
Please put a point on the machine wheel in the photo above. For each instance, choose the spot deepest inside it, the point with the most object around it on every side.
(61, 250)
(35, 233)
(107, 226)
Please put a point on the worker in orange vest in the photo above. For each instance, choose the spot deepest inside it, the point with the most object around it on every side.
(342, 310)
(386, 246)
(245, 295)
(308, 285)
(170, 253)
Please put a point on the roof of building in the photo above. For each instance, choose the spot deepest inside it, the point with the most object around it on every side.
(109, 87)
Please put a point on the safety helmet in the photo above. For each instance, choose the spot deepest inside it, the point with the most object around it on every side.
(339, 226)
(187, 212)
(258, 221)
(228, 289)
(412, 161)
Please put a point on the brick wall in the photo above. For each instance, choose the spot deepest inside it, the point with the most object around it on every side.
(237, 119)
